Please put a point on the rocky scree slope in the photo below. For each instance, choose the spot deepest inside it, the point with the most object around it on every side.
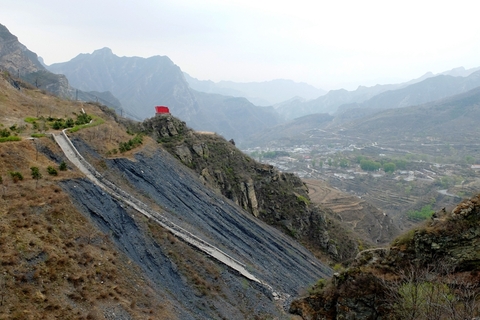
(159, 179)
(427, 271)
(279, 199)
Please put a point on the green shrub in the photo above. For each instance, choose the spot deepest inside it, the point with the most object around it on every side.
(10, 138)
(130, 144)
(4, 133)
(425, 213)
(31, 119)
(38, 135)
(63, 166)
(16, 176)
(52, 171)
(304, 200)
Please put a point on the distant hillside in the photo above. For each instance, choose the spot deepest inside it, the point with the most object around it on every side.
(428, 90)
(24, 65)
(329, 102)
(447, 120)
(290, 133)
(265, 93)
(142, 83)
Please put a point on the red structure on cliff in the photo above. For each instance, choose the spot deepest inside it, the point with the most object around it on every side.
(161, 110)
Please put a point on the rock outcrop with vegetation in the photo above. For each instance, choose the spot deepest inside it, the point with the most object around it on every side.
(428, 273)
(280, 199)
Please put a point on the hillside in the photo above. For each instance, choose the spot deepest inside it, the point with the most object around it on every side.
(142, 83)
(24, 66)
(279, 199)
(430, 272)
(428, 90)
(450, 120)
(78, 252)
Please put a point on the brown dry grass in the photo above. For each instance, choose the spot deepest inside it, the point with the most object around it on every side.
(54, 264)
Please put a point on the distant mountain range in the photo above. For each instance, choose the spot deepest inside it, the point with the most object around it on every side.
(265, 93)
(142, 83)
(343, 99)
(428, 90)
(452, 120)
(446, 120)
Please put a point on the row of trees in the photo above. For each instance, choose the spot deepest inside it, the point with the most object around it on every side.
(35, 173)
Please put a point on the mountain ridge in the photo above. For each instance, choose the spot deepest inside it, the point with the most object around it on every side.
(142, 83)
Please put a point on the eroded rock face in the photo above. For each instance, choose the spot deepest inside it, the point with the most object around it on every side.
(279, 199)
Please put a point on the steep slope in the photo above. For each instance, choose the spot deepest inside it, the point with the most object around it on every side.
(142, 83)
(71, 250)
(279, 199)
(25, 66)
(431, 272)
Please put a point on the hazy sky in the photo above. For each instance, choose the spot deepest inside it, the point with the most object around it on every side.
(328, 44)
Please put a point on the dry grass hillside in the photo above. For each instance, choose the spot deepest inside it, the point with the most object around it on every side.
(54, 264)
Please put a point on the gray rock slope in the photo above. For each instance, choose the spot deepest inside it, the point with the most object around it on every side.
(268, 254)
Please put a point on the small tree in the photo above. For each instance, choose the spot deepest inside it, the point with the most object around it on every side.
(52, 171)
(63, 166)
(16, 176)
(36, 174)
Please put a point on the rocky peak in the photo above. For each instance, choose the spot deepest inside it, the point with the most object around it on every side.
(102, 52)
(14, 56)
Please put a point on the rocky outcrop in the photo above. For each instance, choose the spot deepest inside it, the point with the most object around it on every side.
(280, 199)
(442, 254)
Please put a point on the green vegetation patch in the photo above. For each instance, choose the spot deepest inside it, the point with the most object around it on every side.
(302, 199)
(96, 122)
(370, 165)
(38, 135)
(130, 144)
(11, 138)
(425, 213)
(16, 176)
(30, 120)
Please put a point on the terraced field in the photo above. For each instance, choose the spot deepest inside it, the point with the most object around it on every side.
(363, 218)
